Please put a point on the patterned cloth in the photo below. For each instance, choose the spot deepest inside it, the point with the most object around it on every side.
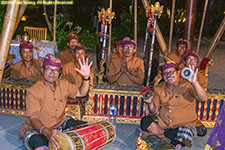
(216, 140)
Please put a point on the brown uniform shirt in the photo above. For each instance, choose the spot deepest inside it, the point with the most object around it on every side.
(202, 78)
(66, 56)
(176, 58)
(135, 67)
(20, 71)
(73, 76)
(177, 106)
(47, 105)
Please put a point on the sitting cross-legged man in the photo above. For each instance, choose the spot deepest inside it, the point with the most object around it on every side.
(191, 59)
(46, 103)
(174, 103)
(69, 71)
(127, 70)
(28, 68)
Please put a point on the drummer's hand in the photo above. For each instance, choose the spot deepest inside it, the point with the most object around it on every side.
(149, 100)
(84, 68)
(51, 136)
(54, 141)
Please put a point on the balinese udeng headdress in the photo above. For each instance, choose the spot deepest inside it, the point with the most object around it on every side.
(183, 42)
(190, 53)
(127, 42)
(80, 47)
(26, 45)
(167, 64)
(51, 60)
(72, 36)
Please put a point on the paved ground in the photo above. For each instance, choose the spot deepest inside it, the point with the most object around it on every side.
(125, 140)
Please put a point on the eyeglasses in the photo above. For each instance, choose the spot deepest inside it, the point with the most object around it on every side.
(192, 60)
(49, 70)
(169, 73)
(128, 47)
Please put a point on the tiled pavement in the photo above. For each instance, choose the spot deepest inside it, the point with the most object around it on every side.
(125, 140)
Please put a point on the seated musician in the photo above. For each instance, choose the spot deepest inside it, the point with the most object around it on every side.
(28, 68)
(174, 103)
(127, 70)
(67, 55)
(191, 59)
(119, 47)
(177, 56)
(46, 102)
(69, 71)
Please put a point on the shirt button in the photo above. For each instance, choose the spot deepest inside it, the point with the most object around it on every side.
(55, 99)
(169, 110)
(56, 109)
(170, 120)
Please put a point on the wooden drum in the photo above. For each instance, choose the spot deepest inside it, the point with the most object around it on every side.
(90, 137)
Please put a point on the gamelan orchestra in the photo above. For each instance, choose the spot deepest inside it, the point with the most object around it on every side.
(72, 102)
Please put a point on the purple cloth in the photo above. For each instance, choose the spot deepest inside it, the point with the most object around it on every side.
(217, 138)
(51, 60)
(72, 36)
(26, 45)
(166, 65)
(190, 53)
(127, 42)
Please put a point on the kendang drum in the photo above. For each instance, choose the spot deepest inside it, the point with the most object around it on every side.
(90, 137)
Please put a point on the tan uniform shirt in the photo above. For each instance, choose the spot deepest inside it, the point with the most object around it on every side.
(66, 56)
(135, 67)
(202, 78)
(177, 106)
(73, 76)
(47, 105)
(20, 71)
(176, 58)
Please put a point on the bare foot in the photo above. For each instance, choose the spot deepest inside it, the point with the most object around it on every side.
(178, 147)
(144, 134)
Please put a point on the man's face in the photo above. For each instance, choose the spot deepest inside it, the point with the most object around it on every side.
(26, 54)
(170, 75)
(72, 44)
(128, 50)
(51, 74)
(191, 61)
(80, 54)
(181, 49)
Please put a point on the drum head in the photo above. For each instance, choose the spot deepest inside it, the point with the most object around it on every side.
(66, 143)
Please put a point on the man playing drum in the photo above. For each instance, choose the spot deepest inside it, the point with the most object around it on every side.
(28, 68)
(46, 102)
(173, 102)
